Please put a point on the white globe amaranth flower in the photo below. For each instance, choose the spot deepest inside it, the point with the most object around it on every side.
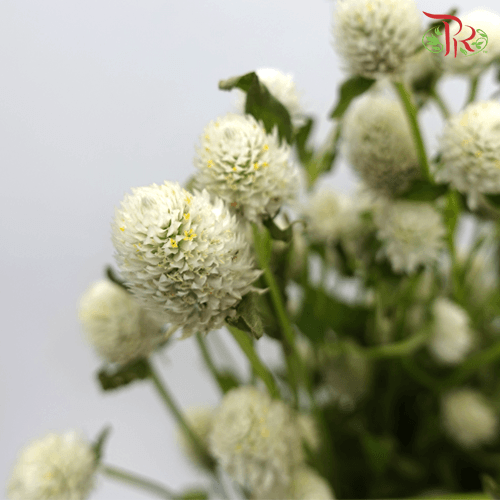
(282, 87)
(256, 440)
(473, 65)
(117, 327)
(470, 147)
(468, 418)
(328, 215)
(451, 339)
(375, 38)
(246, 167)
(200, 421)
(57, 466)
(412, 234)
(378, 143)
(182, 256)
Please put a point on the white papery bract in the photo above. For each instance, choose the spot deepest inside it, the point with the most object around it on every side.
(200, 421)
(282, 87)
(470, 147)
(256, 440)
(182, 256)
(379, 145)
(452, 337)
(376, 37)
(246, 167)
(468, 418)
(412, 234)
(117, 327)
(55, 467)
(474, 64)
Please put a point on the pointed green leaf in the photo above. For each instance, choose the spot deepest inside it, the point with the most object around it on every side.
(100, 442)
(421, 190)
(349, 90)
(301, 137)
(112, 276)
(194, 495)
(110, 379)
(276, 232)
(227, 381)
(248, 311)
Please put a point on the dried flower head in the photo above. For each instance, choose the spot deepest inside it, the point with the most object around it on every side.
(379, 145)
(256, 440)
(246, 167)
(412, 234)
(182, 256)
(376, 37)
(58, 466)
(468, 418)
(452, 337)
(470, 147)
(117, 327)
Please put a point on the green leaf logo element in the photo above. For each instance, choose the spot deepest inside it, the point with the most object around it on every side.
(436, 30)
(464, 52)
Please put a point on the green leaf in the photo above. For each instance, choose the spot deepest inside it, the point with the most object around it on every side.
(276, 232)
(494, 200)
(490, 487)
(321, 312)
(114, 379)
(464, 52)
(379, 451)
(452, 211)
(100, 441)
(248, 311)
(301, 138)
(349, 90)
(421, 190)
(261, 104)
(263, 244)
(112, 276)
(227, 381)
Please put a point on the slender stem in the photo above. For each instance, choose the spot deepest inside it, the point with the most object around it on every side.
(440, 103)
(172, 406)
(419, 375)
(260, 369)
(473, 89)
(398, 349)
(139, 481)
(412, 116)
(208, 360)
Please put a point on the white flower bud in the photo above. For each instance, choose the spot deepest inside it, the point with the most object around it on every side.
(452, 337)
(117, 327)
(256, 440)
(182, 256)
(376, 37)
(246, 167)
(470, 147)
(412, 234)
(379, 145)
(58, 466)
(468, 418)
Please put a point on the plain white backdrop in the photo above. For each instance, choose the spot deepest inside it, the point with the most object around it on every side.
(96, 97)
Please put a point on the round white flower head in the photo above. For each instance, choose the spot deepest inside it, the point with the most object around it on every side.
(328, 215)
(309, 431)
(452, 337)
(256, 440)
(470, 147)
(246, 167)
(58, 466)
(117, 327)
(472, 65)
(200, 421)
(468, 418)
(182, 256)
(282, 87)
(412, 234)
(378, 143)
(376, 37)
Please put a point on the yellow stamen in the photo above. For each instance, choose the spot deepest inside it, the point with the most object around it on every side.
(188, 199)
(189, 235)
(266, 147)
(173, 242)
(256, 166)
(186, 216)
(122, 229)
(210, 164)
(265, 164)
(479, 154)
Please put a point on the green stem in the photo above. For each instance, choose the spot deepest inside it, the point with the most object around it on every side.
(440, 103)
(139, 481)
(172, 406)
(398, 349)
(419, 375)
(412, 116)
(473, 89)
(208, 360)
(260, 369)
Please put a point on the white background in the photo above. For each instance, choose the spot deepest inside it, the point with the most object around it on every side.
(96, 97)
